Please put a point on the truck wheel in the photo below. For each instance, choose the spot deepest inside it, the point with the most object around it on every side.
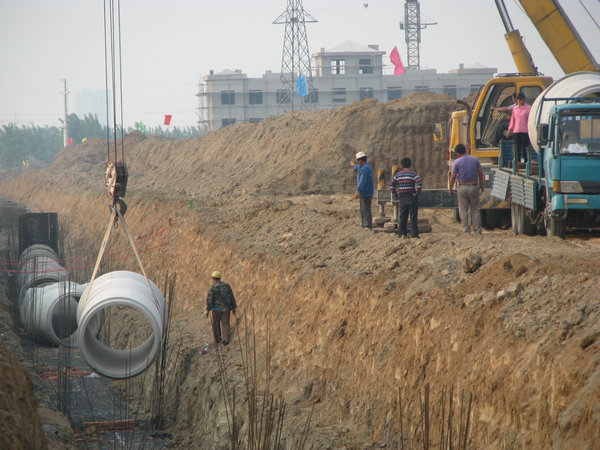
(527, 227)
(555, 227)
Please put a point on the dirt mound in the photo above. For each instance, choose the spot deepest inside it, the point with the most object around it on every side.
(299, 153)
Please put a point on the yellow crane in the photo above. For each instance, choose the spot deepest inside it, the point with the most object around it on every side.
(479, 127)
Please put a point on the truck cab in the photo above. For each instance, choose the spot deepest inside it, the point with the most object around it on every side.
(571, 165)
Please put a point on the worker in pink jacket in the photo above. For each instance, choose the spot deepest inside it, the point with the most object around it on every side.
(517, 128)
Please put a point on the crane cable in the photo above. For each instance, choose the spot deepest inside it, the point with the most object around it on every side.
(116, 171)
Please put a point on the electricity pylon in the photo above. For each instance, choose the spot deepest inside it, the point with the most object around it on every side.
(295, 60)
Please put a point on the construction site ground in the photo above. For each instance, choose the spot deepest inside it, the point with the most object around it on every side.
(489, 339)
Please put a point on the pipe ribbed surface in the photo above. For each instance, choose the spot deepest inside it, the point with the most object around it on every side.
(127, 289)
(38, 266)
(49, 313)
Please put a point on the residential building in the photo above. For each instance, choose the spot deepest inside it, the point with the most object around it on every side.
(341, 75)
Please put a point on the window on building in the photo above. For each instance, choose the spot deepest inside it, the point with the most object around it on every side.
(421, 88)
(255, 119)
(339, 95)
(283, 96)
(476, 87)
(365, 66)
(227, 97)
(393, 93)
(450, 89)
(312, 97)
(225, 122)
(365, 92)
(256, 98)
(338, 67)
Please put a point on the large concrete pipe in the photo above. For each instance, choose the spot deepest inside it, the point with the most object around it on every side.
(126, 289)
(49, 313)
(38, 265)
(577, 84)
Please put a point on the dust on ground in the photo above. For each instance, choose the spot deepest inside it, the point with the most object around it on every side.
(356, 320)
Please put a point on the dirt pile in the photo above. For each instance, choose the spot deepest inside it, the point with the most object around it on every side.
(355, 319)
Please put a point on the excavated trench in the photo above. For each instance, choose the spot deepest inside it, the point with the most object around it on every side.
(490, 340)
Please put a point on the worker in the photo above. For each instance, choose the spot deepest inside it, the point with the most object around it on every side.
(406, 186)
(467, 169)
(517, 128)
(221, 302)
(364, 188)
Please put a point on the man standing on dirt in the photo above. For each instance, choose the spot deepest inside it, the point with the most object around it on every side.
(364, 188)
(407, 186)
(467, 169)
(221, 302)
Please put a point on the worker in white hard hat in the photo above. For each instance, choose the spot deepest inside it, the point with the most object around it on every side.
(364, 188)
(221, 302)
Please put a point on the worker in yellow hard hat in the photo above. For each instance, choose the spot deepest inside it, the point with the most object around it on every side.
(221, 302)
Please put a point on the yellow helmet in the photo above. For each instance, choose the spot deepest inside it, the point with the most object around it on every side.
(216, 274)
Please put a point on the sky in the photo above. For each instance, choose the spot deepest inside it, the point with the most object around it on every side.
(167, 46)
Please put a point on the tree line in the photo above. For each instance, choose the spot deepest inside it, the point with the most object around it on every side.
(21, 144)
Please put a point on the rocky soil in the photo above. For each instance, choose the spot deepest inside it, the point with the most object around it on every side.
(501, 330)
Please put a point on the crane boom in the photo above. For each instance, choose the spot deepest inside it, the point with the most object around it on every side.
(560, 36)
(520, 54)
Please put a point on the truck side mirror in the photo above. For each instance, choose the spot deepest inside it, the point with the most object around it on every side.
(542, 132)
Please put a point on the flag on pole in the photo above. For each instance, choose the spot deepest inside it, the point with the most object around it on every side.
(301, 85)
(168, 118)
(397, 62)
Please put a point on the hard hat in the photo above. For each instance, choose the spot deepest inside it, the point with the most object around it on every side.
(216, 274)
(360, 155)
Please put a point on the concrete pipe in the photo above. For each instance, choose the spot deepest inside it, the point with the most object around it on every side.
(126, 289)
(49, 313)
(38, 266)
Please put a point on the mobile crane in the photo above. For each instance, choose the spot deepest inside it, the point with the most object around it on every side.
(480, 128)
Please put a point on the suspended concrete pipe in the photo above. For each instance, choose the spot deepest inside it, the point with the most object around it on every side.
(49, 313)
(128, 289)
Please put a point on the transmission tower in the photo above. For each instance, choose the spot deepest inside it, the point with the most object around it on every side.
(295, 60)
(412, 27)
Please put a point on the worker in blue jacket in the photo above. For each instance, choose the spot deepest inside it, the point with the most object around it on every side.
(364, 188)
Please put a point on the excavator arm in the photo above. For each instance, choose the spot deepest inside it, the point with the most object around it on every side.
(560, 36)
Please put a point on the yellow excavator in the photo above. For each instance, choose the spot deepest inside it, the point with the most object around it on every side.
(480, 127)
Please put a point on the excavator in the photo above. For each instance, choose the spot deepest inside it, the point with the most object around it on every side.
(480, 127)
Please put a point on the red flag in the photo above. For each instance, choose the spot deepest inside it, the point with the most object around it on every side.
(70, 141)
(168, 118)
(397, 62)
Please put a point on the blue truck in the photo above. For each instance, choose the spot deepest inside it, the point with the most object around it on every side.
(560, 186)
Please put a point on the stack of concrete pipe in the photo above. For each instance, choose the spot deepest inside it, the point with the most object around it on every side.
(47, 301)
(56, 311)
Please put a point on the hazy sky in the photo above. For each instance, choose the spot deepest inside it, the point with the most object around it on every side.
(168, 45)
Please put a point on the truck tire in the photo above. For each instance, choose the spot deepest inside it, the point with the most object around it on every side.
(555, 226)
(527, 227)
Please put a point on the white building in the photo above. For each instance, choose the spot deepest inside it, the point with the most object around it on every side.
(341, 75)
